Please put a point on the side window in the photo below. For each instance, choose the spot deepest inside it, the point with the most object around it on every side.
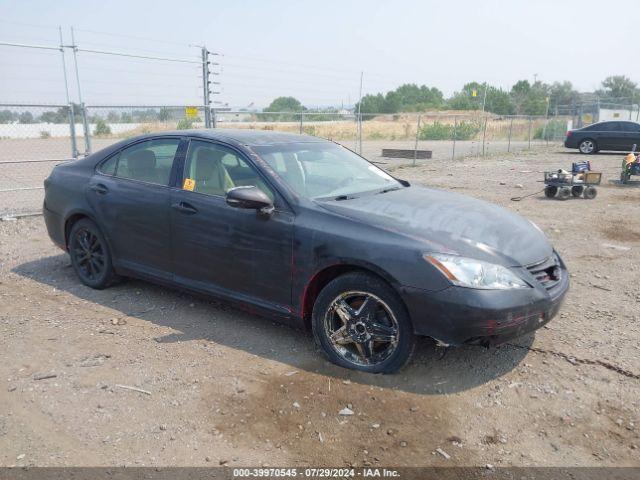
(149, 161)
(213, 170)
(109, 167)
(630, 127)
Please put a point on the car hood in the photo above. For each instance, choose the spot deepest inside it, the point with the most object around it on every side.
(448, 222)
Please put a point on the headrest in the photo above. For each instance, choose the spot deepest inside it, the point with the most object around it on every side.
(142, 161)
(207, 162)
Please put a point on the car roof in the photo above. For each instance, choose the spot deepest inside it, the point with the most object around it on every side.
(244, 136)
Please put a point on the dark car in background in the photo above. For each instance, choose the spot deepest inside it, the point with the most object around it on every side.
(618, 136)
(307, 232)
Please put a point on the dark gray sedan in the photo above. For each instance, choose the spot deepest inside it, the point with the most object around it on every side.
(617, 136)
(305, 231)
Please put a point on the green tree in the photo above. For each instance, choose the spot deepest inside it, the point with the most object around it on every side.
(101, 128)
(619, 87)
(25, 117)
(285, 104)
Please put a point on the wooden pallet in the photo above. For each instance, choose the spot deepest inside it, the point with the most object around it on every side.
(400, 153)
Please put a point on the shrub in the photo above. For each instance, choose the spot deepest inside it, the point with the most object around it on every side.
(185, 124)
(45, 134)
(441, 131)
(555, 129)
(101, 128)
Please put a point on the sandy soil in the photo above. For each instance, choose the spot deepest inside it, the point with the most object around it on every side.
(219, 386)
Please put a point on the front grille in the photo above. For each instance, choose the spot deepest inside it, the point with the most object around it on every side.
(547, 272)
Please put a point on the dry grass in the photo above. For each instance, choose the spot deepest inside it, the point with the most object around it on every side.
(383, 127)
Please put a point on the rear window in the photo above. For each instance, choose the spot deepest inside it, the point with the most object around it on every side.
(149, 161)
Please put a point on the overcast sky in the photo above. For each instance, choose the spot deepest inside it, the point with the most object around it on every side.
(313, 50)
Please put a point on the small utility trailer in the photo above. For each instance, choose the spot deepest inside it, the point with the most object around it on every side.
(562, 185)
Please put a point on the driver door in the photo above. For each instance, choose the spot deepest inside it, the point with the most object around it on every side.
(228, 251)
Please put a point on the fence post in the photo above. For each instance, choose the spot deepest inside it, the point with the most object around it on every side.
(72, 131)
(529, 132)
(510, 131)
(455, 134)
(301, 115)
(415, 148)
(87, 130)
(484, 133)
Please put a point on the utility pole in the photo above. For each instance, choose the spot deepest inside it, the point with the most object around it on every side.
(205, 87)
(85, 123)
(209, 119)
(484, 97)
(72, 118)
(360, 116)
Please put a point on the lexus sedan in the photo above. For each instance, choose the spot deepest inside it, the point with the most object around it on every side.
(305, 231)
(617, 136)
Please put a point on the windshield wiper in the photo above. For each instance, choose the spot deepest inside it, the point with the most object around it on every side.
(344, 197)
(390, 189)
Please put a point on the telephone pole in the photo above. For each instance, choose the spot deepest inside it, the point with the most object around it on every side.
(209, 120)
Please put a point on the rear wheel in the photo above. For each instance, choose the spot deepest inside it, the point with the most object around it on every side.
(576, 191)
(550, 191)
(587, 146)
(624, 176)
(359, 322)
(90, 255)
(590, 193)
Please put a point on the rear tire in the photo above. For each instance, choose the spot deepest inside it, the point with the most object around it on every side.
(590, 193)
(361, 323)
(577, 191)
(550, 191)
(588, 146)
(90, 255)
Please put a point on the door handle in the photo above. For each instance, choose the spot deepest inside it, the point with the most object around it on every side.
(184, 207)
(99, 189)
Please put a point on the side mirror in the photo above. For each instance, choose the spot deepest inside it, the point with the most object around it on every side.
(249, 197)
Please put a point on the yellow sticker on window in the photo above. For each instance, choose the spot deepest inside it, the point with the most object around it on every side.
(189, 184)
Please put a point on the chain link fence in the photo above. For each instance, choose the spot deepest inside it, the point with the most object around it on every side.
(35, 138)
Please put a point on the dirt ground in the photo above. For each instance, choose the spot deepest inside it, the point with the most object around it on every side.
(219, 386)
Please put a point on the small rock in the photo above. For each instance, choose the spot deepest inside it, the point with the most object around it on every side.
(207, 459)
(223, 461)
(346, 411)
(296, 405)
(519, 185)
(163, 427)
(489, 466)
(12, 388)
(375, 425)
(403, 444)
(21, 456)
(443, 453)
(347, 382)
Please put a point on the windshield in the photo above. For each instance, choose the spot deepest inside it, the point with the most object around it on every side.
(325, 170)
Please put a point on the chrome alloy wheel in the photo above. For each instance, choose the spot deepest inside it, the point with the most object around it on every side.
(587, 146)
(361, 328)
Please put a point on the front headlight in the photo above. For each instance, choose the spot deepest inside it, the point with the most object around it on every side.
(468, 272)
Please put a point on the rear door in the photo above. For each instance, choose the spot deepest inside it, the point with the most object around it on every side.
(229, 251)
(631, 134)
(130, 194)
(611, 136)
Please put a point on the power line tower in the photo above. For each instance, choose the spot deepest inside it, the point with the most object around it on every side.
(209, 120)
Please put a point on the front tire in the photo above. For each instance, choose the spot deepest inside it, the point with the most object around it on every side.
(588, 146)
(90, 255)
(360, 323)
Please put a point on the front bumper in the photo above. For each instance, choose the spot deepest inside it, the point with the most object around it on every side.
(458, 315)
